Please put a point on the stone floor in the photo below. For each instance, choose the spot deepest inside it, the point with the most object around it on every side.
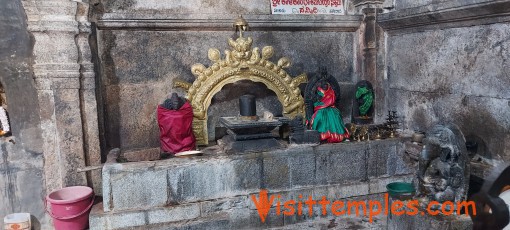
(345, 222)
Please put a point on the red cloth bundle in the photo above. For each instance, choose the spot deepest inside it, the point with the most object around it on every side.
(175, 127)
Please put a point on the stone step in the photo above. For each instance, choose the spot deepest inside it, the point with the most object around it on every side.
(153, 184)
(171, 218)
(339, 223)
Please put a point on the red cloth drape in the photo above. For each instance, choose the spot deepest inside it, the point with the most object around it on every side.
(175, 127)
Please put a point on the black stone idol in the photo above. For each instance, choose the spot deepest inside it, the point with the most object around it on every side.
(247, 106)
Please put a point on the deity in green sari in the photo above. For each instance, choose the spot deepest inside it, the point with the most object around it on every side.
(326, 117)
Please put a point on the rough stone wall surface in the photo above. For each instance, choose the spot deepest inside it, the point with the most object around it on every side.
(138, 68)
(454, 75)
(21, 164)
(189, 6)
(194, 6)
(404, 4)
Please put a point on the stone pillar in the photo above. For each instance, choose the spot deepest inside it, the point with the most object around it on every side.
(371, 40)
(54, 28)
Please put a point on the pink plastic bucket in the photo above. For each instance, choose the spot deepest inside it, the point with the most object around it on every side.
(70, 207)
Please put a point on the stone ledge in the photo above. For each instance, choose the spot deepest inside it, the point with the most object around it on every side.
(230, 213)
(457, 222)
(326, 169)
(446, 15)
(213, 22)
(178, 217)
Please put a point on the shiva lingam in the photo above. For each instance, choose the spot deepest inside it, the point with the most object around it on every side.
(248, 132)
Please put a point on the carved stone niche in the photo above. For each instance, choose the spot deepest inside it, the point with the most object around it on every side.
(241, 62)
(443, 173)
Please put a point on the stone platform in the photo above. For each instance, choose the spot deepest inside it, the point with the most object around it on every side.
(453, 222)
(215, 190)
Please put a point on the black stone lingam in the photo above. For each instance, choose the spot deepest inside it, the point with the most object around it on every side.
(247, 133)
(247, 107)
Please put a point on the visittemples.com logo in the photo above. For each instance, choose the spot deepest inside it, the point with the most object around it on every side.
(370, 208)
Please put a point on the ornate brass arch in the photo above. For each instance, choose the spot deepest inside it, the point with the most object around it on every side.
(240, 63)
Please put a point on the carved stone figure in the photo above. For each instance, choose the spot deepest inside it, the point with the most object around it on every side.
(322, 113)
(175, 118)
(443, 173)
(363, 108)
(174, 102)
(298, 134)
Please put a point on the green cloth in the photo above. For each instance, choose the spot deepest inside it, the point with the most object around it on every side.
(328, 119)
(368, 98)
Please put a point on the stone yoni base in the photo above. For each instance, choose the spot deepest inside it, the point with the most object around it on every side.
(232, 146)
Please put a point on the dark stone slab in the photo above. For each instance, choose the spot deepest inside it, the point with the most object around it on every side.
(306, 137)
(302, 169)
(244, 137)
(247, 126)
(232, 146)
(339, 163)
(276, 172)
(213, 180)
(378, 153)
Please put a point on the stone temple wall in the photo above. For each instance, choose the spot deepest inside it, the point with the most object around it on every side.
(48, 78)
(21, 162)
(448, 62)
(144, 45)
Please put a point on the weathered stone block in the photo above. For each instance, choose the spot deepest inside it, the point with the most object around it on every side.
(214, 179)
(173, 214)
(250, 219)
(213, 206)
(302, 168)
(118, 220)
(179, 217)
(335, 192)
(143, 154)
(136, 189)
(339, 163)
(378, 152)
(276, 172)
(399, 163)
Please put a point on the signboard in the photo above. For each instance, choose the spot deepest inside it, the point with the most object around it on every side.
(307, 7)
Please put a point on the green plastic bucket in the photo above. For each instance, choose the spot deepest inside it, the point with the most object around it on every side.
(400, 190)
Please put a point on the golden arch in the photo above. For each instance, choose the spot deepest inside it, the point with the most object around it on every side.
(240, 63)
